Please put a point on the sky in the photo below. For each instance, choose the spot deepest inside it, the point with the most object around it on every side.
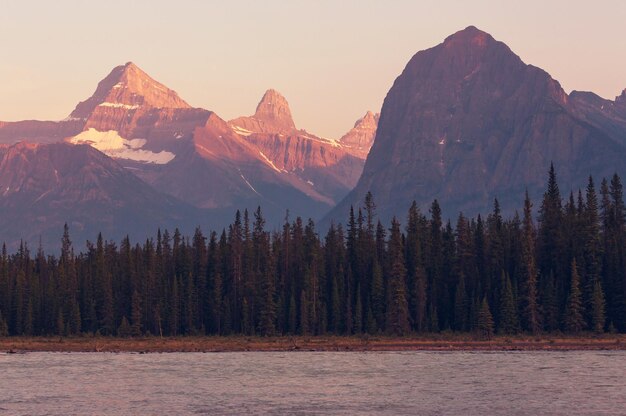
(332, 60)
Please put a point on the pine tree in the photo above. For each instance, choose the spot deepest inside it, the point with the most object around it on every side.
(508, 313)
(592, 248)
(550, 303)
(60, 324)
(460, 306)
(484, 323)
(293, 318)
(4, 327)
(136, 314)
(598, 317)
(397, 312)
(304, 326)
(124, 330)
(574, 321)
(532, 321)
(377, 303)
(358, 312)
(335, 307)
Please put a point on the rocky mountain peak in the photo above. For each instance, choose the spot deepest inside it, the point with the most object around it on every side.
(469, 36)
(272, 115)
(622, 98)
(274, 108)
(360, 138)
(128, 87)
(468, 121)
(369, 120)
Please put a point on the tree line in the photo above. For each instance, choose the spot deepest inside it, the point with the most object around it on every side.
(563, 271)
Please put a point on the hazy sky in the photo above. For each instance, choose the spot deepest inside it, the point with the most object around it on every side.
(333, 60)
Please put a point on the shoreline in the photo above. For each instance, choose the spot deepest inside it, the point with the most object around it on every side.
(310, 343)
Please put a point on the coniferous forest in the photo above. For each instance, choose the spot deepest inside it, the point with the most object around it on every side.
(559, 266)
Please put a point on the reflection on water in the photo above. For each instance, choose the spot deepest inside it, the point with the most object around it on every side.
(425, 383)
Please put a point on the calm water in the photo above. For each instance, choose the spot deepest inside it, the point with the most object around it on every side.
(424, 383)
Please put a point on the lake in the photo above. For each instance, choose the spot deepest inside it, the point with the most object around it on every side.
(303, 383)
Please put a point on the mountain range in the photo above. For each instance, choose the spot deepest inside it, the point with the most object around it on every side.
(135, 156)
(466, 121)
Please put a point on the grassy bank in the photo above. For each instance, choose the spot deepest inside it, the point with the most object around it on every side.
(448, 342)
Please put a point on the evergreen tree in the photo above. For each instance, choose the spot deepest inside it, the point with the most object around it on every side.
(397, 312)
(124, 330)
(598, 318)
(530, 305)
(136, 314)
(508, 313)
(484, 323)
(574, 310)
(250, 281)
(4, 327)
(460, 306)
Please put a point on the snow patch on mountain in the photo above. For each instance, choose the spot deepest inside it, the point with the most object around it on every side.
(112, 144)
(269, 162)
(241, 131)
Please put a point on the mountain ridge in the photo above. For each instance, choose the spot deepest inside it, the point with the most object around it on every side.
(468, 121)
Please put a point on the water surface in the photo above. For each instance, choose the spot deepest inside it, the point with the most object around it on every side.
(424, 383)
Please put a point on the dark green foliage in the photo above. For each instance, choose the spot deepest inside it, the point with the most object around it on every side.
(530, 304)
(461, 307)
(4, 327)
(427, 276)
(484, 320)
(397, 305)
(574, 309)
(124, 330)
(598, 317)
(508, 311)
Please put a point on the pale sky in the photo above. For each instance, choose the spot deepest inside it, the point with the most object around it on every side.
(333, 60)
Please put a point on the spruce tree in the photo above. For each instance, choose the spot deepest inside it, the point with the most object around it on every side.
(136, 314)
(530, 304)
(4, 327)
(397, 312)
(574, 321)
(460, 306)
(124, 330)
(484, 323)
(592, 248)
(358, 312)
(598, 317)
(508, 314)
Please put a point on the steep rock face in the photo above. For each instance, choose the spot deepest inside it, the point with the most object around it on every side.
(272, 115)
(468, 121)
(360, 138)
(609, 116)
(44, 186)
(323, 166)
(222, 171)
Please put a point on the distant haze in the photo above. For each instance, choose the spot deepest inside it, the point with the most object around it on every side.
(332, 60)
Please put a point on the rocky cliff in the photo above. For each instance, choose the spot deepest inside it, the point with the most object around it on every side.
(467, 121)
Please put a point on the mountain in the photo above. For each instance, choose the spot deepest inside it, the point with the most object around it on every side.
(44, 186)
(272, 115)
(194, 156)
(133, 117)
(361, 137)
(323, 166)
(221, 170)
(150, 130)
(467, 121)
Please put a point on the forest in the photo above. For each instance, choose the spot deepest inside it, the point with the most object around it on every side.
(559, 267)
